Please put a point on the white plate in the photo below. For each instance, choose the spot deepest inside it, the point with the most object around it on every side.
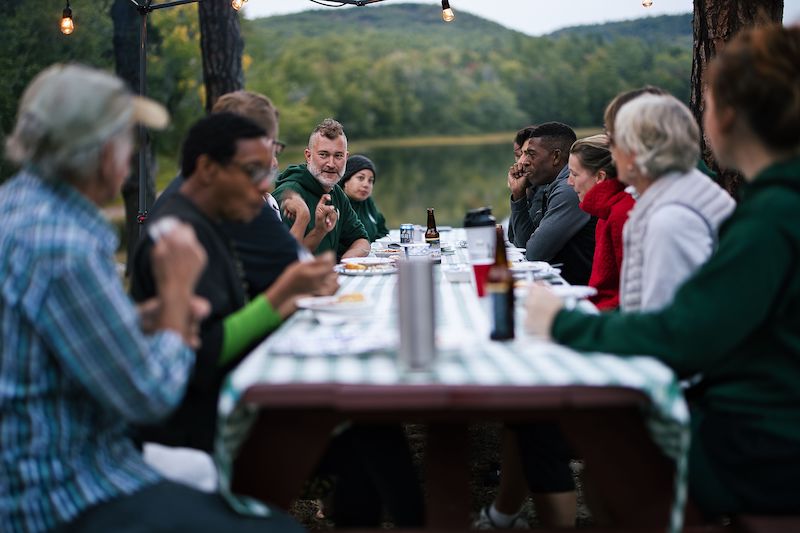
(388, 252)
(531, 266)
(386, 240)
(367, 261)
(373, 270)
(332, 304)
(573, 291)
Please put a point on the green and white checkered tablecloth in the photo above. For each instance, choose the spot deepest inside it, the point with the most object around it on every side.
(304, 350)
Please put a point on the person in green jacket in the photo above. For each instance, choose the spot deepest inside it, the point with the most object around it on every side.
(357, 183)
(334, 225)
(736, 321)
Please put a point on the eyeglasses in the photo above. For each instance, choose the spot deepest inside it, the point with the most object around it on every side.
(257, 173)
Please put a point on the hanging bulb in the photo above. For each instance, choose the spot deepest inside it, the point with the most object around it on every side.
(67, 26)
(647, 3)
(447, 13)
(237, 4)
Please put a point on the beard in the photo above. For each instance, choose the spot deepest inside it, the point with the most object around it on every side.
(324, 180)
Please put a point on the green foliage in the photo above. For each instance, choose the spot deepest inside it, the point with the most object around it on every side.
(390, 71)
(385, 71)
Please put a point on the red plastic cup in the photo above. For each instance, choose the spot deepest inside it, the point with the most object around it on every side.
(481, 270)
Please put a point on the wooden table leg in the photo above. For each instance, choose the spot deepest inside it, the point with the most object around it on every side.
(280, 455)
(447, 476)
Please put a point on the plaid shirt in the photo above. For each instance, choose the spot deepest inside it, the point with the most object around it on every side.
(74, 365)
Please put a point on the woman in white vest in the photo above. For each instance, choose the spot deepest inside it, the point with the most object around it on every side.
(672, 229)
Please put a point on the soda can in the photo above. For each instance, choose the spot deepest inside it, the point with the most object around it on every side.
(406, 233)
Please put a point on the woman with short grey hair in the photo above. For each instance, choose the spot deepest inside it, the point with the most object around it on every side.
(673, 227)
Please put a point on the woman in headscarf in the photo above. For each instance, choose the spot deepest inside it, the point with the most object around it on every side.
(357, 182)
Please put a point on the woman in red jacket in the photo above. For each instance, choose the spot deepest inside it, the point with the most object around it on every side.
(594, 177)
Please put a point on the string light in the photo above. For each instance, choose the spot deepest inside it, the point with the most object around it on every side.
(647, 3)
(237, 4)
(447, 13)
(67, 26)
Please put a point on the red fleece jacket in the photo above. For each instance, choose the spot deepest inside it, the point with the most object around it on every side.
(609, 202)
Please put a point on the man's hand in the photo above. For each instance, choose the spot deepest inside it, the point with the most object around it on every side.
(303, 278)
(325, 216)
(542, 306)
(178, 259)
(517, 181)
(294, 208)
(150, 314)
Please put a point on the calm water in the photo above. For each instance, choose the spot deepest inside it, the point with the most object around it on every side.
(451, 179)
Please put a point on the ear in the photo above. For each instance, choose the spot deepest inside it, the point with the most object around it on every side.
(601, 176)
(205, 169)
(726, 119)
(307, 153)
(557, 158)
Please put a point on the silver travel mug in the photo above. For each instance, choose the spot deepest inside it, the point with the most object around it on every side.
(416, 314)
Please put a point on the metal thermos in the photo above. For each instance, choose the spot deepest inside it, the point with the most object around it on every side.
(416, 314)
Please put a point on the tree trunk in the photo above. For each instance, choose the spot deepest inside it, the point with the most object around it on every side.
(222, 46)
(715, 23)
(127, 21)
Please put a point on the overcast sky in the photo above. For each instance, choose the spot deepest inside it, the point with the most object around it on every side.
(534, 17)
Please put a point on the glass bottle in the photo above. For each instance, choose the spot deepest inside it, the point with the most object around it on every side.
(432, 238)
(500, 289)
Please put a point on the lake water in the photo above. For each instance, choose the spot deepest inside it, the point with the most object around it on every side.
(451, 179)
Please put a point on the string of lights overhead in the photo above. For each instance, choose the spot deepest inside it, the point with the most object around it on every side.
(67, 25)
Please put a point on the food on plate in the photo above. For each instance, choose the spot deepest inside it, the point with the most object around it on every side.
(355, 266)
(351, 297)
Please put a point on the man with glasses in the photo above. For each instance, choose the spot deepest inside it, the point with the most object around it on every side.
(228, 164)
(264, 245)
(335, 225)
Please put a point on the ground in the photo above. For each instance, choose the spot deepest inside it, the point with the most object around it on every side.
(484, 454)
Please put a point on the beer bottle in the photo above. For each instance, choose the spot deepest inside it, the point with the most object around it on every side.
(432, 238)
(500, 289)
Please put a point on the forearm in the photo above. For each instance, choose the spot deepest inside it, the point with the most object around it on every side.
(246, 326)
(520, 224)
(312, 239)
(359, 248)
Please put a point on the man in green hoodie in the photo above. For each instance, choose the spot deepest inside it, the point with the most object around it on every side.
(334, 226)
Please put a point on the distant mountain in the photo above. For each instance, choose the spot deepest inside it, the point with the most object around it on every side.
(398, 70)
(664, 27)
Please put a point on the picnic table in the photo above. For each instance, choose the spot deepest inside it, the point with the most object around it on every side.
(625, 416)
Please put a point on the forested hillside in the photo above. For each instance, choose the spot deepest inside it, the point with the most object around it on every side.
(396, 70)
(391, 70)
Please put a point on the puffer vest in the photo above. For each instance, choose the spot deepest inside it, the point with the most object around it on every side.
(692, 190)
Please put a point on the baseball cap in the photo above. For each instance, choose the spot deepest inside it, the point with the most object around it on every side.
(72, 106)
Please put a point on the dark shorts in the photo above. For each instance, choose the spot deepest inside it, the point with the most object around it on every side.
(545, 456)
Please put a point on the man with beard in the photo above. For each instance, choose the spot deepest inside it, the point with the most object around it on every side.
(334, 226)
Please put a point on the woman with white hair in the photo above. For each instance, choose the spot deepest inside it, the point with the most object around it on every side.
(672, 229)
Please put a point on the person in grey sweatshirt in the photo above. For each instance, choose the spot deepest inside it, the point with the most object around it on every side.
(551, 226)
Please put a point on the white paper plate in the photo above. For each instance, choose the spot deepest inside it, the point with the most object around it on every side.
(367, 261)
(333, 304)
(371, 270)
(530, 266)
(573, 291)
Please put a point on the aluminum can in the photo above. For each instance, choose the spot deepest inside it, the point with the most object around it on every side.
(406, 233)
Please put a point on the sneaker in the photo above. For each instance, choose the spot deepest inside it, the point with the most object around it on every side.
(484, 521)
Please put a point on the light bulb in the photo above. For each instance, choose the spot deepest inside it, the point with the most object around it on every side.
(447, 13)
(647, 3)
(237, 4)
(67, 26)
